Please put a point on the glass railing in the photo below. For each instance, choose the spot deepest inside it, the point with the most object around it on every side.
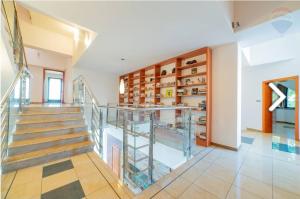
(17, 95)
(11, 105)
(93, 113)
(140, 144)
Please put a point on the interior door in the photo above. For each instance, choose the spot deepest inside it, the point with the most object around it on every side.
(54, 90)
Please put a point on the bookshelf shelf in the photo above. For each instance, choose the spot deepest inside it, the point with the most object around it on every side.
(186, 75)
(203, 63)
(192, 75)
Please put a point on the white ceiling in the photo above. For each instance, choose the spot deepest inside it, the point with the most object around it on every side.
(143, 33)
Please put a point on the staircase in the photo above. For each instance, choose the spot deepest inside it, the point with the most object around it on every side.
(46, 133)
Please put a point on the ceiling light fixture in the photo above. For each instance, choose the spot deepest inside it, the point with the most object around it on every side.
(122, 86)
(122, 59)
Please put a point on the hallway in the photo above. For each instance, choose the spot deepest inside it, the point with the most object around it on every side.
(256, 171)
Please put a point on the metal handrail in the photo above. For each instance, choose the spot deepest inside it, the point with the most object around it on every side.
(80, 77)
(18, 30)
(13, 85)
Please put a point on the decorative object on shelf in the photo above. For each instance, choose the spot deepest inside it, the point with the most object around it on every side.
(151, 79)
(194, 91)
(202, 120)
(202, 105)
(194, 70)
(157, 84)
(164, 72)
(181, 92)
(173, 70)
(173, 103)
(182, 104)
(179, 83)
(187, 81)
(203, 80)
(191, 62)
(157, 95)
(200, 92)
(169, 92)
(201, 135)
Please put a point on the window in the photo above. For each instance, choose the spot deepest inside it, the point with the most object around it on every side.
(290, 99)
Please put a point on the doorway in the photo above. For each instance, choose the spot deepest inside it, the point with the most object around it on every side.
(53, 86)
(283, 121)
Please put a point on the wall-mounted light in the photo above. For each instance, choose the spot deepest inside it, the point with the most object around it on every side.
(87, 40)
(76, 34)
(122, 87)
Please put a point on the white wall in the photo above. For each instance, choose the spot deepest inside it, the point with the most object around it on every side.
(264, 11)
(8, 70)
(34, 36)
(36, 84)
(104, 85)
(226, 96)
(253, 78)
(47, 59)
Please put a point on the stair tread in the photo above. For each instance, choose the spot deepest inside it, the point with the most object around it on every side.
(48, 113)
(44, 129)
(47, 151)
(47, 139)
(35, 121)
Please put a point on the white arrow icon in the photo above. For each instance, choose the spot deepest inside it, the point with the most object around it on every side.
(280, 94)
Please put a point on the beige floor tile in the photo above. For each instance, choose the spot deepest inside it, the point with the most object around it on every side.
(218, 171)
(85, 169)
(55, 161)
(163, 195)
(194, 192)
(28, 175)
(238, 193)
(279, 193)
(149, 192)
(254, 186)
(57, 180)
(6, 180)
(177, 187)
(80, 159)
(25, 191)
(287, 183)
(229, 163)
(213, 185)
(92, 183)
(261, 173)
(106, 192)
(122, 191)
(193, 173)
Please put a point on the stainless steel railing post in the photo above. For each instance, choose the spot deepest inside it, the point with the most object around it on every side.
(151, 142)
(189, 133)
(100, 131)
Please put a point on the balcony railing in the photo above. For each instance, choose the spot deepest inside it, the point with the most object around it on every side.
(140, 143)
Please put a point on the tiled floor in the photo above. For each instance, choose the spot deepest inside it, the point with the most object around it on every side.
(256, 171)
(82, 176)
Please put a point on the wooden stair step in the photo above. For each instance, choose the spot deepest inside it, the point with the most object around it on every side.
(47, 113)
(38, 121)
(45, 152)
(45, 129)
(47, 139)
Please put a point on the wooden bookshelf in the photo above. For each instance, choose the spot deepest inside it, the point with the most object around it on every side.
(188, 76)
